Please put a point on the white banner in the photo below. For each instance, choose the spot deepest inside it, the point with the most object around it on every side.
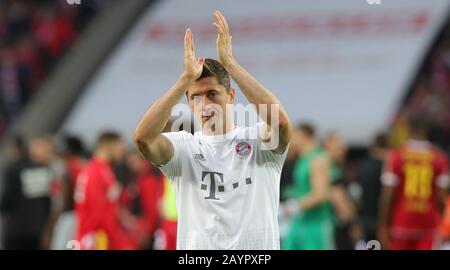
(343, 65)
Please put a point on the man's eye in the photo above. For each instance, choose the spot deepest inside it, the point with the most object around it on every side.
(211, 95)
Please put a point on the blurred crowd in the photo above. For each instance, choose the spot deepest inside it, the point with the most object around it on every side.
(33, 36)
(430, 96)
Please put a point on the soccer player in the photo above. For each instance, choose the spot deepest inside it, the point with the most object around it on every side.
(142, 198)
(445, 225)
(369, 177)
(414, 181)
(96, 198)
(27, 197)
(64, 215)
(345, 210)
(312, 226)
(226, 182)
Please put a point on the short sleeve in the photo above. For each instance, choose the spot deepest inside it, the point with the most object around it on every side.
(172, 168)
(267, 154)
(443, 179)
(391, 171)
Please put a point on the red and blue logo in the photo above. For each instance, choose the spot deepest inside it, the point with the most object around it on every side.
(243, 148)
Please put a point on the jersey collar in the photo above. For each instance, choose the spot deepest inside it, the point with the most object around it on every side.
(418, 144)
(219, 138)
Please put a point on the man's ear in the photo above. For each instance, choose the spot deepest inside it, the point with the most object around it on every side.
(187, 98)
(232, 94)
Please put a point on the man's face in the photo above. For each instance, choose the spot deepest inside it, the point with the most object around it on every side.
(301, 140)
(117, 151)
(135, 162)
(41, 151)
(208, 100)
(336, 148)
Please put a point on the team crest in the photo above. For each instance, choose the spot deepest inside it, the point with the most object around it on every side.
(243, 148)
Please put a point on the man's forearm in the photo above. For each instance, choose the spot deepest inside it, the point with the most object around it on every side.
(385, 204)
(155, 119)
(383, 217)
(255, 92)
(312, 200)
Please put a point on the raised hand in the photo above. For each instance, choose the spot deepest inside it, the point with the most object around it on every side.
(223, 42)
(193, 67)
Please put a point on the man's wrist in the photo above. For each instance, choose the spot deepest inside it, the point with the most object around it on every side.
(230, 63)
(185, 81)
(293, 207)
(300, 206)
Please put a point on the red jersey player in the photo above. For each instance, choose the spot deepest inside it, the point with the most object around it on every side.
(415, 181)
(96, 198)
(146, 188)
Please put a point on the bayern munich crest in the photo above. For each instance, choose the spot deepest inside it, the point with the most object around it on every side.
(243, 148)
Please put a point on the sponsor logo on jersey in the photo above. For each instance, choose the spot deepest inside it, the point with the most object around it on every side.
(199, 157)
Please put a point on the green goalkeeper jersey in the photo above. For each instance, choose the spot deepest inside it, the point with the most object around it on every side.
(312, 228)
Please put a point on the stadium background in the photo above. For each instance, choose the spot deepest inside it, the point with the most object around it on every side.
(346, 66)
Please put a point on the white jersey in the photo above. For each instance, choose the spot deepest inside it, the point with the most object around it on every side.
(227, 190)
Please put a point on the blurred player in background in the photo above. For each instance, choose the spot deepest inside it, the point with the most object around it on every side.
(288, 169)
(166, 234)
(27, 196)
(143, 196)
(286, 182)
(445, 226)
(415, 183)
(345, 210)
(369, 176)
(312, 226)
(74, 156)
(96, 196)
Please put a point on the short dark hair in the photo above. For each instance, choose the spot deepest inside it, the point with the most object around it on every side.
(329, 135)
(43, 137)
(74, 145)
(380, 141)
(17, 141)
(213, 68)
(107, 137)
(418, 125)
(308, 129)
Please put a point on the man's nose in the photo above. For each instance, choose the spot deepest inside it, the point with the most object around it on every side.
(205, 101)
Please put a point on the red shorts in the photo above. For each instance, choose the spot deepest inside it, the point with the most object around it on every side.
(166, 236)
(426, 242)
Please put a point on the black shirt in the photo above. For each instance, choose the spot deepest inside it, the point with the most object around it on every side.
(370, 181)
(25, 200)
